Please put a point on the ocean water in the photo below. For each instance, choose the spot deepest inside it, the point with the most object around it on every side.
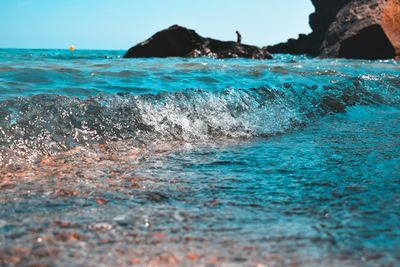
(107, 161)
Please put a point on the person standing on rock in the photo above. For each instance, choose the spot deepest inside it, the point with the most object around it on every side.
(239, 37)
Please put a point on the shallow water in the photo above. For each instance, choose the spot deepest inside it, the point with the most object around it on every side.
(110, 161)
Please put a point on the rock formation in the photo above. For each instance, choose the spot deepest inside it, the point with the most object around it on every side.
(177, 41)
(364, 29)
(320, 20)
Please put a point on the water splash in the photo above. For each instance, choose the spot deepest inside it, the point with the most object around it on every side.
(47, 124)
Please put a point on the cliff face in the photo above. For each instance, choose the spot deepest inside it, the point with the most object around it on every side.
(324, 15)
(177, 41)
(320, 20)
(364, 29)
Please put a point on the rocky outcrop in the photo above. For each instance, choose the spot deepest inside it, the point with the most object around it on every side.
(363, 29)
(177, 41)
(320, 20)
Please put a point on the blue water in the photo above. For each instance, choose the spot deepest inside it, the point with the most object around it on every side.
(285, 162)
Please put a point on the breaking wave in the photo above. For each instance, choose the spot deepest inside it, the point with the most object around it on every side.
(46, 124)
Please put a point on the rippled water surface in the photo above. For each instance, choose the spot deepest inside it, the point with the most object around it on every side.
(108, 161)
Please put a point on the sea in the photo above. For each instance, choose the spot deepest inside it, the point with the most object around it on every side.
(107, 161)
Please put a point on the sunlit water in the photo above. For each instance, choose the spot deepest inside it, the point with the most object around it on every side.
(108, 161)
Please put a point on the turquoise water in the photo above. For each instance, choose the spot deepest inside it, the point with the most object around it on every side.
(292, 161)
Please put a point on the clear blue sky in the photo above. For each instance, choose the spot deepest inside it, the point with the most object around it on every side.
(119, 24)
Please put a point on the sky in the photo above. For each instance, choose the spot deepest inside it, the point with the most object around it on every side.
(120, 24)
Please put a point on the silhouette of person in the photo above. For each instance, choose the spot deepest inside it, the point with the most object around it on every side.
(239, 37)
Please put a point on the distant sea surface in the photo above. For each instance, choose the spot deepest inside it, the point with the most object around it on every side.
(108, 161)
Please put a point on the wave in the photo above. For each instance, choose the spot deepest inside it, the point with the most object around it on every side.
(46, 124)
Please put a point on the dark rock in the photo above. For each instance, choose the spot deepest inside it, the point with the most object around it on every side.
(156, 196)
(363, 29)
(320, 20)
(177, 41)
